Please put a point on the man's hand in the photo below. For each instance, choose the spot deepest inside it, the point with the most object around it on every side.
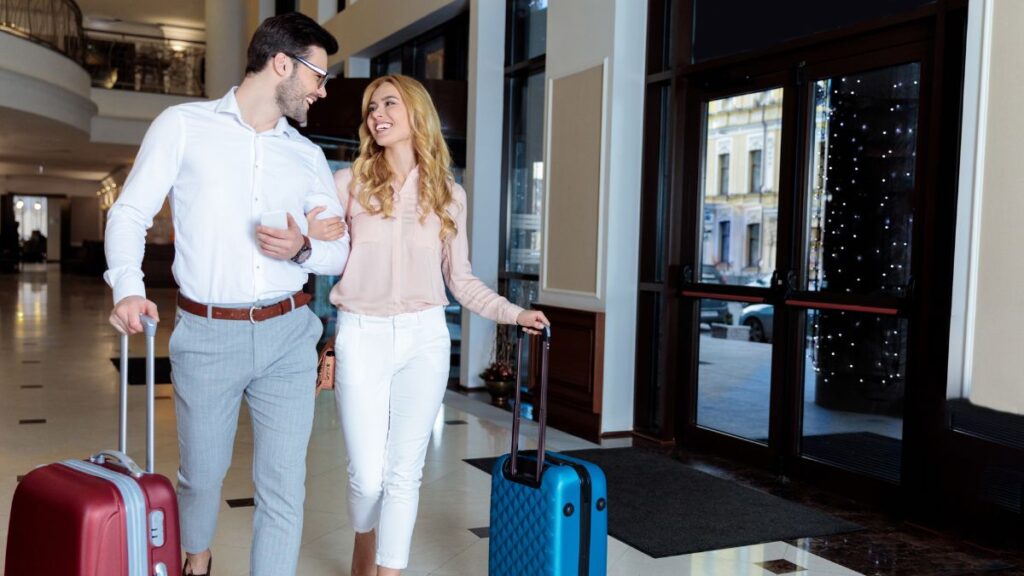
(326, 229)
(125, 316)
(280, 244)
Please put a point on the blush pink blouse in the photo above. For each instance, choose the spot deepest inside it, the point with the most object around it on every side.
(400, 265)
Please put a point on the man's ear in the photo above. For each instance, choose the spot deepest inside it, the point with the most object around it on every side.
(280, 62)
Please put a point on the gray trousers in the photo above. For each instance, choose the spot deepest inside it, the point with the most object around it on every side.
(272, 364)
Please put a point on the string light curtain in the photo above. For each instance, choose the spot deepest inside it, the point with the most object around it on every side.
(862, 225)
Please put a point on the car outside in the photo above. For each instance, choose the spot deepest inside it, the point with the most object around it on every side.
(759, 317)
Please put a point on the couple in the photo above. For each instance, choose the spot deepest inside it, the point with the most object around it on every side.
(242, 327)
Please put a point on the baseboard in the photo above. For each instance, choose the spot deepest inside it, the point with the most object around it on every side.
(650, 441)
(619, 434)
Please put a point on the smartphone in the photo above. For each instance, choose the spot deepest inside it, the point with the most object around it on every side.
(275, 219)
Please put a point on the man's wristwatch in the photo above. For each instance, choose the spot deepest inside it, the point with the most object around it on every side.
(303, 254)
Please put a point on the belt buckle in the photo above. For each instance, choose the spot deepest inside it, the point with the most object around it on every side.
(252, 309)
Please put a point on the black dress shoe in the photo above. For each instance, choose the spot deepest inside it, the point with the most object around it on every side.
(185, 571)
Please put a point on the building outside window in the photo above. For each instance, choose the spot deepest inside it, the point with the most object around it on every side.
(753, 245)
(755, 171)
(723, 174)
(724, 233)
(749, 126)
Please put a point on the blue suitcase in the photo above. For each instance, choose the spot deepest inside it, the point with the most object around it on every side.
(549, 512)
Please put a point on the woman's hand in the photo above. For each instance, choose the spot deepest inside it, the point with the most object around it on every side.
(532, 321)
(325, 229)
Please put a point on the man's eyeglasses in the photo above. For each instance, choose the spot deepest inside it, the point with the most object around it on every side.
(320, 72)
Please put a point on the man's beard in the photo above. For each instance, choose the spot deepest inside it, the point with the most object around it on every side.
(290, 99)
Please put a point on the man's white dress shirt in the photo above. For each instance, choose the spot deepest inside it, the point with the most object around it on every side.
(221, 176)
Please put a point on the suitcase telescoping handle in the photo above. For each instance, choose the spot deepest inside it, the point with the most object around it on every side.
(149, 329)
(542, 417)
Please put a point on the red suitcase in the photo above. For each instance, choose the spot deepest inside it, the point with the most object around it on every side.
(99, 517)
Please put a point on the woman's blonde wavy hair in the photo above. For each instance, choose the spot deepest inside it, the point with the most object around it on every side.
(372, 175)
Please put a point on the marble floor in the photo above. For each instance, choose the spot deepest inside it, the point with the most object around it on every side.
(60, 401)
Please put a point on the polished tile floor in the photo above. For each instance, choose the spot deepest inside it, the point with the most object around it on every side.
(59, 401)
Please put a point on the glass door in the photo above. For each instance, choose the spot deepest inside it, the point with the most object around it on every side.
(741, 137)
(856, 274)
(802, 241)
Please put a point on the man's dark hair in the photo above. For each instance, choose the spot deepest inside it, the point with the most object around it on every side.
(291, 33)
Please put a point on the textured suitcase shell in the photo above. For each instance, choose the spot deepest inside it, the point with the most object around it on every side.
(537, 530)
(549, 524)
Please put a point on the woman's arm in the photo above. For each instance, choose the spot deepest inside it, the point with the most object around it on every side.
(331, 228)
(326, 229)
(469, 290)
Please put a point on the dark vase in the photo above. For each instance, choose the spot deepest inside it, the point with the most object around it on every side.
(500, 390)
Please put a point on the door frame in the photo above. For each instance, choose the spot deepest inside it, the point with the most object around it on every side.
(935, 34)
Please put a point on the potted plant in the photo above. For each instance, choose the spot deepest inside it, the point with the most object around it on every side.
(499, 377)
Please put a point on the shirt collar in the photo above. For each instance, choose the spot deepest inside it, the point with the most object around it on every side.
(229, 105)
(411, 181)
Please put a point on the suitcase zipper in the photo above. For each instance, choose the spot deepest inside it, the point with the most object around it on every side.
(585, 494)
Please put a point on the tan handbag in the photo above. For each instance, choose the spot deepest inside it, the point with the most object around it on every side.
(325, 368)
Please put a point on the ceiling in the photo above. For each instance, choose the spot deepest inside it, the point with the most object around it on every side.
(37, 153)
(184, 13)
(32, 145)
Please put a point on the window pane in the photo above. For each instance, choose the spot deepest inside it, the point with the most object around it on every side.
(735, 368)
(430, 59)
(523, 293)
(655, 194)
(755, 172)
(854, 379)
(860, 220)
(529, 29)
(740, 180)
(723, 174)
(526, 174)
(753, 244)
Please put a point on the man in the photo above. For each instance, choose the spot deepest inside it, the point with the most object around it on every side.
(242, 327)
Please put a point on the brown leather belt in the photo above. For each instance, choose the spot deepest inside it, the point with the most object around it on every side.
(253, 314)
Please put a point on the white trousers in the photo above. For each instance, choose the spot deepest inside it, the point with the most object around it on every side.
(390, 382)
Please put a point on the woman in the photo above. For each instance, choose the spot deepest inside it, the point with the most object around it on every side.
(407, 220)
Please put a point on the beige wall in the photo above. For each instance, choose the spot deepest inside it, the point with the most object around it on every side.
(571, 262)
(582, 35)
(996, 365)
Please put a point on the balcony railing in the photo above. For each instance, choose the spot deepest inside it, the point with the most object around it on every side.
(145, 63)
(54, 23)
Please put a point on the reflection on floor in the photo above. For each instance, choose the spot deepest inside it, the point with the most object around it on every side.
(59, 390)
